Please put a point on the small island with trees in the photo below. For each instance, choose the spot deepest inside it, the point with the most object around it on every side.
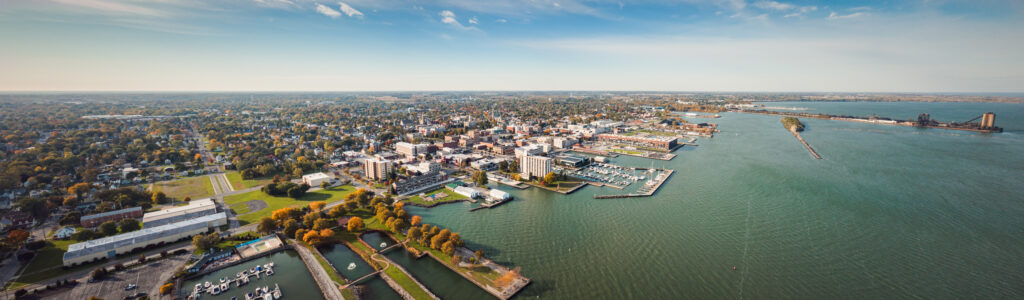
(793, 124)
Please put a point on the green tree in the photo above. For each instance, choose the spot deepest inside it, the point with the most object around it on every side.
(480, 178)
(290, 226)
(129, 225)
(415, 233)
(159, 198)
(267, 225)
(309, 219)
(322, 224)
(108, 228)
(479, 254)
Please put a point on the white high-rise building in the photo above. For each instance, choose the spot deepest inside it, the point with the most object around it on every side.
(534, 166)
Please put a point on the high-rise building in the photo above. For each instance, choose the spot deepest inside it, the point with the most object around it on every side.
(534, 166)
(376, 169)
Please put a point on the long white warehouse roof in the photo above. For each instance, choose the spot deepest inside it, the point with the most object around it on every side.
(138, 236)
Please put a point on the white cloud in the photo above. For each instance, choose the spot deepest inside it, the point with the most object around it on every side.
(327, 11)
(349, 11)
(835, 16)
(448, 17)
(502, 21)
(112, 7)
(773, 5)
(276, 3)
(473, 20)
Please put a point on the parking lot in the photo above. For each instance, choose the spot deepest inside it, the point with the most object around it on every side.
(148, 278)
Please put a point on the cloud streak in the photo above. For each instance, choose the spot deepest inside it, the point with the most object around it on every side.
(327, 11)
(349, 11)
(448, 17)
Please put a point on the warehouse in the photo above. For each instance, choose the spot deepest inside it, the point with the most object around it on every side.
(194, 209)
(108, 247)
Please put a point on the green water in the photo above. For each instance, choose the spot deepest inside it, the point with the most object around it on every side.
(890, 212)
(373, 289)
(289, 272)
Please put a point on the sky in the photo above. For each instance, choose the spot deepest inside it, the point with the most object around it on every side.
(969, 46)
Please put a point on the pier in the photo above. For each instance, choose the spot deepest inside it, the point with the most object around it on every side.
(806, 145)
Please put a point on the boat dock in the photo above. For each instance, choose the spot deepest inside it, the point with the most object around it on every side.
(647, 190)
(242, 278)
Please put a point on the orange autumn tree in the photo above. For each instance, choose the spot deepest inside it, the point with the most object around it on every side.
(318, 205)
(506, 280)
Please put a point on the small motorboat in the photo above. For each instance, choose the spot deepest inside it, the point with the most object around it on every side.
(207, 284)
(248, 296)
(215, 290)
(270, 272)
(352, 266)
(277, 291)
(225, 286)
(382, 245)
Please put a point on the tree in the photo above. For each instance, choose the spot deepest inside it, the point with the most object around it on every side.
(290, 226)
(167, 288)
(456, 239)
(286, 213)
(70, 202)
(310, 218)
(337, 211)
(34, 206)
(324, 184)
(266, 225)
(108, 228)
(129, 225)
(321, 224)
(187, 199)
(317, 205)
(207, 241)
(416, 220)
(438, 240)
(350, 205)
(479, 254)
(448, 248)
(99, 273)
(78, 189)
(480, 178)
(159, 198)
(15, 238)
(355, 224)
(415, 233)
(508, 278)
(550, 178)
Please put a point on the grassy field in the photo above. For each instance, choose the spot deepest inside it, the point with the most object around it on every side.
(197, 187)
(236, 202)
(452, 197)
(238, 183)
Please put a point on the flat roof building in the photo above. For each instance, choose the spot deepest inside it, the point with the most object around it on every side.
(116, 215)
(194, 209)
(315, 179)
(111, 246)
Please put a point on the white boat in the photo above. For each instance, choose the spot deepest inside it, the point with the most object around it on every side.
(207, 284)
(270, 272)
(215, 290)
(277, 291)
(225, 286)
(352, 266)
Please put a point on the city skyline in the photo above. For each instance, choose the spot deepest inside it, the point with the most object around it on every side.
(694, 45)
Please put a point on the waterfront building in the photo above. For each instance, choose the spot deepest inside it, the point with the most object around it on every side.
(499, 194)
(534, 166)
(468, 192)
(194, 209)
(654, 142)
(424, 168)
(376, 169)
(412, 184)
(117, 215)
(409, 149)
(111, 246)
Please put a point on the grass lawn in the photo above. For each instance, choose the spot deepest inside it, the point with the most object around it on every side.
(238, 183)
(333, 194)
(452, 197)
(47, 264)
(197, 187)
(406, 282)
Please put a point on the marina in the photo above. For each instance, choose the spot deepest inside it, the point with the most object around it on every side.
(257, 279)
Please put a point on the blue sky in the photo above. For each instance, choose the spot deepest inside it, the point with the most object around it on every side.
(662, 45)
